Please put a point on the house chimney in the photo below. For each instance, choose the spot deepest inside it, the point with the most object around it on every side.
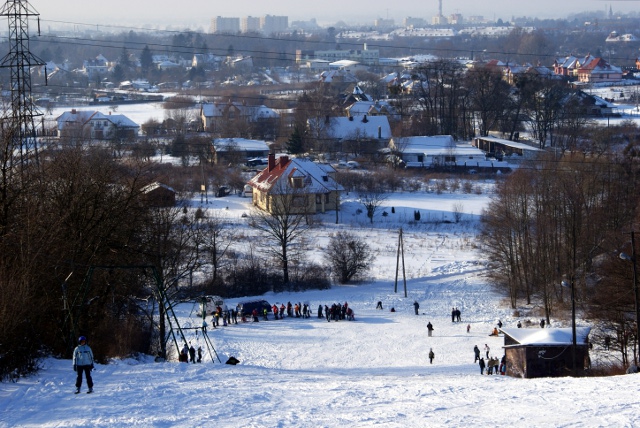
(74, 111)
(283, 160)
(379, 132)
(271, 162)
(365, 120)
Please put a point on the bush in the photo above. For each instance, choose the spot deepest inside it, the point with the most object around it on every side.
(313, 277)
(348, 256)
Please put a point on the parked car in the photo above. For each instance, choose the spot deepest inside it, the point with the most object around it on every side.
(257, 162)
(210, 303)
(247, 307)
(222, 191)
(247, 191)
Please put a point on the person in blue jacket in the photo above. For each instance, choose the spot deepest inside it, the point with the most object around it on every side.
(83, 363)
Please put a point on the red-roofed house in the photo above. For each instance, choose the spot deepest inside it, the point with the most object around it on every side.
(599, 70)
(311, 187)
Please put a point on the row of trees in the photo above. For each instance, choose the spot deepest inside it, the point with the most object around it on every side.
(448, 99)
(567, 220)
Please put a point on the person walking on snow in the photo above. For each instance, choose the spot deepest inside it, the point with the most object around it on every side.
(431, 355)
(184, 354)
(481, 364)
(416, 306)
(486, 350)
(476, 351)
(192, 354)
(83, 363)
(429, 329)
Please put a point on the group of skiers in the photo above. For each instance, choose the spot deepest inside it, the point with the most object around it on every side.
(228, 316)
(188, 354)
(492, 364)
(337, 312)
(334, 312)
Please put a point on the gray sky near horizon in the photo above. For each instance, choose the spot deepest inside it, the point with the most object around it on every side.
(199, 12)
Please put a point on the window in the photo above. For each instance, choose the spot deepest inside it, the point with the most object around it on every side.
(318, 199)
(297, 182)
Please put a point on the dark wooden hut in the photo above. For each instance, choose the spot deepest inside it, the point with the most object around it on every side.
(546, 352)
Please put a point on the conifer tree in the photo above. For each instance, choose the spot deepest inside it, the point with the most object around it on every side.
(294, 144)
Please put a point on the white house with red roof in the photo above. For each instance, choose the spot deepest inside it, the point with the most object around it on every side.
(300, 185)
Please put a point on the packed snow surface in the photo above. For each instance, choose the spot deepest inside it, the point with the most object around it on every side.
(373, 371)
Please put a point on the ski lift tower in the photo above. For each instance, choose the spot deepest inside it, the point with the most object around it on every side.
(18, 128)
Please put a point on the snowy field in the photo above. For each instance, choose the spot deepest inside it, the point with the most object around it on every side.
(370, 372)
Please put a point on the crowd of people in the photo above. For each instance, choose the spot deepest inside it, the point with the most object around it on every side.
(335, 312)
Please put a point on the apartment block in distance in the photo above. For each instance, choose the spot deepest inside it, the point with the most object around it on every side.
(250, 24)
(274, 24)
(221, 24)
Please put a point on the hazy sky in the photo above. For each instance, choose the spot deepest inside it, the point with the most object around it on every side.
(200, 12)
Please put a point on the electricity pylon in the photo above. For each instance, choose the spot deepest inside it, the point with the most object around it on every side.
(18, 124)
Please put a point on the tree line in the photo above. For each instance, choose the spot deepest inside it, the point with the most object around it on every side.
(562, 222)
(85, 251)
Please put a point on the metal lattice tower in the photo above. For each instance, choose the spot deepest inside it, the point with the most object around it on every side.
(18, 124)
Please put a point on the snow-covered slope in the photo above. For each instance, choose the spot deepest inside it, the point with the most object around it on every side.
(370, 372)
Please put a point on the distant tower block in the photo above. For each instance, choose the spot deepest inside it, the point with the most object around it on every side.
(18, 127)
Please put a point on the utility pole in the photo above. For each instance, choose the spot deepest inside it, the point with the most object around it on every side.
(18, 125)
(404, 276)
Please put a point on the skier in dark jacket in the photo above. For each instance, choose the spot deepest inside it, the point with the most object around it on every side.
(416, 306)
(476, 351)
(481, 363)
(431, 356)
(429, 329)
(192, 354)
(83, 363)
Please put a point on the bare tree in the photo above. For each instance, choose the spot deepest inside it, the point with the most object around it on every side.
(372, 198)
(457, 209)
(180, 111)
(348, 256)
(216, 240)
(173, 240)
(487, 92)
(284, 224)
